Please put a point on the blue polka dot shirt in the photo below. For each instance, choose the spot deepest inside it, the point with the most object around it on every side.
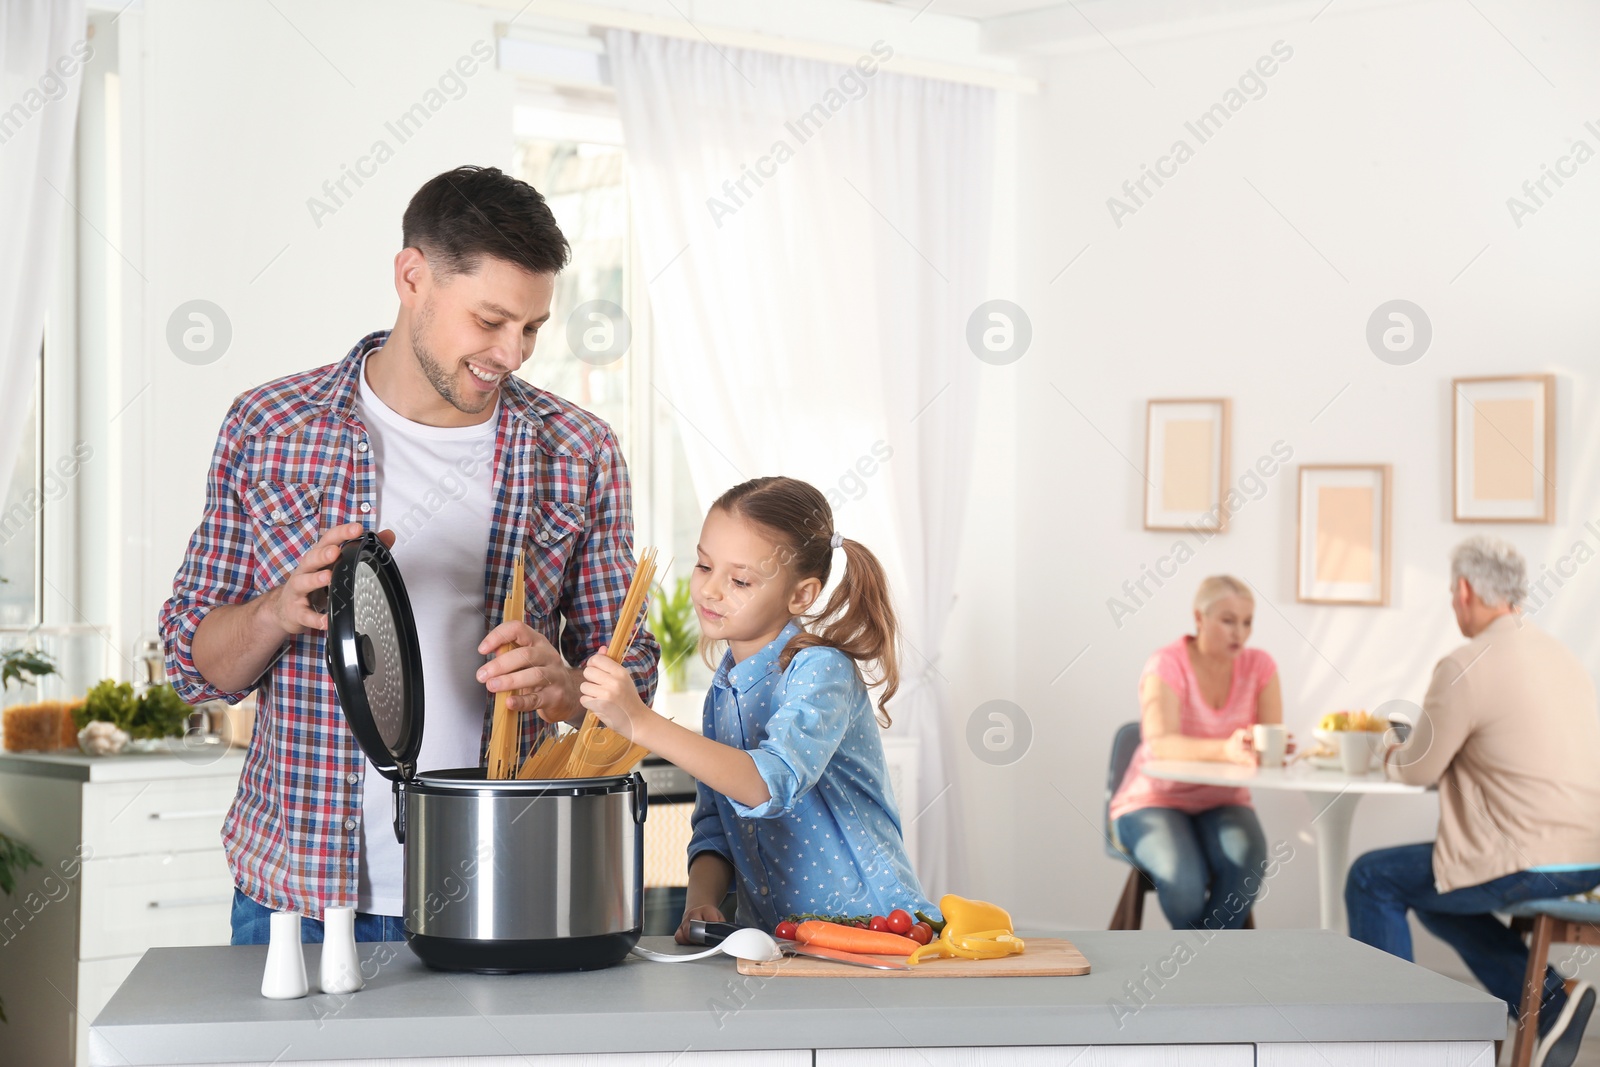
(828, 841)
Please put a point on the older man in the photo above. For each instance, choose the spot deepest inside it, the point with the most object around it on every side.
(1510, 733)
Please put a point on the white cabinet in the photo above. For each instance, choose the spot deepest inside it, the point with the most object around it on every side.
(1043, 1056)
(131, 858)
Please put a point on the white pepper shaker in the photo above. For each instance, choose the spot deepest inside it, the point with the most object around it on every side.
(341, 970)
(285, 976)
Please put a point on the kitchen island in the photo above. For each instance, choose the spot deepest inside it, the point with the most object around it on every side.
(1242, 998)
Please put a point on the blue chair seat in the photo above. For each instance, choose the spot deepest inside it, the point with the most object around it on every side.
(1572, 911)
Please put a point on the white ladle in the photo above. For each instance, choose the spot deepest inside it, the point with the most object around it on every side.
(745, 943)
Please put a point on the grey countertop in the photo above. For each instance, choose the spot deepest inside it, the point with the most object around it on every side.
(177, 761)
(203, 1005)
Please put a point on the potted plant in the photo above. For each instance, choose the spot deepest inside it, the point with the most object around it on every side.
(24, 666)
(672, 621)
(14, 857)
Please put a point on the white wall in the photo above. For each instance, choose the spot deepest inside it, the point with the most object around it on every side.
(1390, 140)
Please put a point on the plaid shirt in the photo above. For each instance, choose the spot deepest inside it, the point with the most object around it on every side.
(291, 461)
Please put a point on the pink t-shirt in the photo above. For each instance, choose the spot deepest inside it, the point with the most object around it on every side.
(1252, 670)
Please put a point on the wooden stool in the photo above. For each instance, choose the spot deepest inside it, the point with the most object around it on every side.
(1549, 922)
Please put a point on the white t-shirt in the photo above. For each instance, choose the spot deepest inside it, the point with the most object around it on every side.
(435, 491)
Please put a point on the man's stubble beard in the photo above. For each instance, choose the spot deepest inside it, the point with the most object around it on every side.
(441, 379)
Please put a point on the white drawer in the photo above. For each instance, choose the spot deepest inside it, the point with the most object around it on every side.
(164, 815)
(132, 903)
(97, 981)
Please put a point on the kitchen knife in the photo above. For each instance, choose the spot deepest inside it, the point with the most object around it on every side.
(705, 932)
(817, 952)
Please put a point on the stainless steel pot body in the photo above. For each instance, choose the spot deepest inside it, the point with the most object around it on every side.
(522, 875)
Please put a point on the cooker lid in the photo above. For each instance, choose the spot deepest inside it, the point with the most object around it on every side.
(373, 656)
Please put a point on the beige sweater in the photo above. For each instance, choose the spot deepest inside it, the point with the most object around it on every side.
(1510, 732)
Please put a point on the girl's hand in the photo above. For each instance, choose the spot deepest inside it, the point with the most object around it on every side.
(608, 691)
(1238, 749)
(534, 672)
(704, 912)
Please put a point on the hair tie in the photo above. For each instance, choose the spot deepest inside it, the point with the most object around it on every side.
(837, 540)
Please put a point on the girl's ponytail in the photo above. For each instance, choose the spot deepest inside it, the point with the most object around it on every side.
(859, 621)
(858, 618)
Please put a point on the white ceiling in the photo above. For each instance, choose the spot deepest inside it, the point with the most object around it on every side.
(974, 9)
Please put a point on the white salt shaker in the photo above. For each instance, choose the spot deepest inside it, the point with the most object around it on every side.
(285, 977)
(341, 970)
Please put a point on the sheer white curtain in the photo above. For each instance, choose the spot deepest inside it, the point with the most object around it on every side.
(814, 239)
(39, 40)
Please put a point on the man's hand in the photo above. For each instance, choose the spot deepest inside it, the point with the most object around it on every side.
(704, 912)
(608, 691)
(534, 672)
(300, 604)
(235, 643)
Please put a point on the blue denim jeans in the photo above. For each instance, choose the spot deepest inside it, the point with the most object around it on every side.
(1207, 867)
(252, 924)
(1387, 882)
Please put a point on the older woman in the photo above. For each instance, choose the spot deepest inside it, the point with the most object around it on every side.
(1201, 845)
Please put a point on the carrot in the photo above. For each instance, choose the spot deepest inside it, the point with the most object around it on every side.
(852, 939)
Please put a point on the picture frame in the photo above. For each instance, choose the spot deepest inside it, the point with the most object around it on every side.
(1503, 448)
(1342, 536)
(1186, 456)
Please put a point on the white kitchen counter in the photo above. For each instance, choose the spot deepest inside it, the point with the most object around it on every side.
(1237, 998)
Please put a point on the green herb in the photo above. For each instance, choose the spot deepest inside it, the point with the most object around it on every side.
(162, 713)
(842, 920)
(158, 712)
(671, 620)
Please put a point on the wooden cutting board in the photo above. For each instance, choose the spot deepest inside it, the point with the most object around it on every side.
(1044, 956)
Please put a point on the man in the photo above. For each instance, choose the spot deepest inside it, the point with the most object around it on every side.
(1510, 733)
(424, 429)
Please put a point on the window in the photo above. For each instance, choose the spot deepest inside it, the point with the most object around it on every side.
(569, 146)
(582, 182)
(59, 538)
(20, 522)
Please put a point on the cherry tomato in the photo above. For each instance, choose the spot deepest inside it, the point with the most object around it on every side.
(859, 925)
(785, 931)
(921, 933)
(899, 921)
(879, 923)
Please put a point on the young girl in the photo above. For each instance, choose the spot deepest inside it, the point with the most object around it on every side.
(794, 807)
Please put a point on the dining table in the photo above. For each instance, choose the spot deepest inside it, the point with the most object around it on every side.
(1332, 794)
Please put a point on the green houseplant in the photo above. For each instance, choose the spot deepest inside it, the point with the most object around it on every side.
(23, 665)
(14, 858)
(671, 620)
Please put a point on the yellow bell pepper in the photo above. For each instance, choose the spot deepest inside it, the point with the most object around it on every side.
(973, 929)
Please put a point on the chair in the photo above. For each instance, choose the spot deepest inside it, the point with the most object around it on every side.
(1550, 922)
(1129, 914)
(1130, 907)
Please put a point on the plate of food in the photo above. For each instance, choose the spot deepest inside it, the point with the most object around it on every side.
(1343, 722)
(1324, 756)
(1339, 729)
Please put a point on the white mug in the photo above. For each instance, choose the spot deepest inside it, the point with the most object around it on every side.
(1355, 751)
(1270, 739)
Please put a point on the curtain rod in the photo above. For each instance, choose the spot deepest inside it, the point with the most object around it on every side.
(843, 55)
